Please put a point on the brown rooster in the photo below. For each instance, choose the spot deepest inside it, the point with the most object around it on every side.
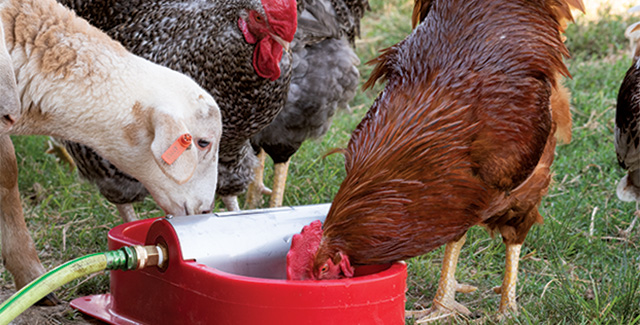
(462, 135)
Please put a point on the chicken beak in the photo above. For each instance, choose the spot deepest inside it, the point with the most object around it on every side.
(282, 42)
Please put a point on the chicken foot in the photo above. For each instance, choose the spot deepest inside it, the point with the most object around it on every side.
(256, 189)
(127, 213)
(444, 304)
(279, 183)
(230, 202)
(58, 150)
(508, 289)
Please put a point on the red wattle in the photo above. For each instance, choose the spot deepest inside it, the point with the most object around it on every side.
(266, 58)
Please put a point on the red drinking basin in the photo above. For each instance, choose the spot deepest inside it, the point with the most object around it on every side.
(189, 292)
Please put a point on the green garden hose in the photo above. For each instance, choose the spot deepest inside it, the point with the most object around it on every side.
(125, 258)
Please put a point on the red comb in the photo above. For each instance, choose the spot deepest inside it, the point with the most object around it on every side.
(282, 16)
(303, 248)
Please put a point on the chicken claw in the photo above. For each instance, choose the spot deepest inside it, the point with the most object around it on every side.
(444, 303)
(256, 189)
(58, 150)
(230, 202)
(442, 309)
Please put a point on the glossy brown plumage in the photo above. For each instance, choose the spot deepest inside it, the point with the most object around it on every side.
(461, 135)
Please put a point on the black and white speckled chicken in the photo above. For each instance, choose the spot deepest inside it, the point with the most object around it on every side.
(627, 129)
(325, 78)
(232, 48)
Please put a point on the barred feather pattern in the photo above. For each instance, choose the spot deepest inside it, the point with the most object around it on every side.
(116, 186)
(341, 16)
(349, 13)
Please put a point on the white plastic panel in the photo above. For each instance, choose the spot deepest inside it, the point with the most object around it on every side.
(250, 243)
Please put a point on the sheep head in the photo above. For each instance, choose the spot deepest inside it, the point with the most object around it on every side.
(135, 131)
(186, 182)
(82, 86)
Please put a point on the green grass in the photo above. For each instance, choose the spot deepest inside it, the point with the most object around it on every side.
(579, 266)
(591, 40)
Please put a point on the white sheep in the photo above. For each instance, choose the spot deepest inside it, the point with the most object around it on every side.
(75, 83)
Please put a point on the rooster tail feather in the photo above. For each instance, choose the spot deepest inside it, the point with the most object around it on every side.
(561, 97)
(561, 112)
(577, 4)
(563, 8)
(563, 11)
(420, 10)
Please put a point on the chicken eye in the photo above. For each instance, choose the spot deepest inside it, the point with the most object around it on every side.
(258, 19)
(202, 143)
(324, 268)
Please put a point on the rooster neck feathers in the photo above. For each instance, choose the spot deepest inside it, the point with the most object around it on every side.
(462, 50)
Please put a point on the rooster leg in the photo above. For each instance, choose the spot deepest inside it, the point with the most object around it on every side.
(279, 183)
(508, 289)
(230, 202)
(256, 188)
(444, 303)
(127, 213)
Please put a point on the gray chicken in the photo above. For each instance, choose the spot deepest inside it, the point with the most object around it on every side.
(232, 48)
(325, 78)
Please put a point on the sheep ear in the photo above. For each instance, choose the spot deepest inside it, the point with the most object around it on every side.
(168, 131)
(10, 102)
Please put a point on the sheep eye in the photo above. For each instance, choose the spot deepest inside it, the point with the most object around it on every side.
(202, 143)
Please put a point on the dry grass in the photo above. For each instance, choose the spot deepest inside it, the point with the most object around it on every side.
(614, 7)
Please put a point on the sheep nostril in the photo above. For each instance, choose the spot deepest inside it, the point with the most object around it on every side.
(9, 119)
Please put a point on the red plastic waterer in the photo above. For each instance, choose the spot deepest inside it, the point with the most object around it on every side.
(230, 268)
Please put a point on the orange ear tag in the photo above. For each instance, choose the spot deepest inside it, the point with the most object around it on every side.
(177, 148)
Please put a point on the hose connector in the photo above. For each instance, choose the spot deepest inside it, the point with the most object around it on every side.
(137, 257)
(152, 255)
